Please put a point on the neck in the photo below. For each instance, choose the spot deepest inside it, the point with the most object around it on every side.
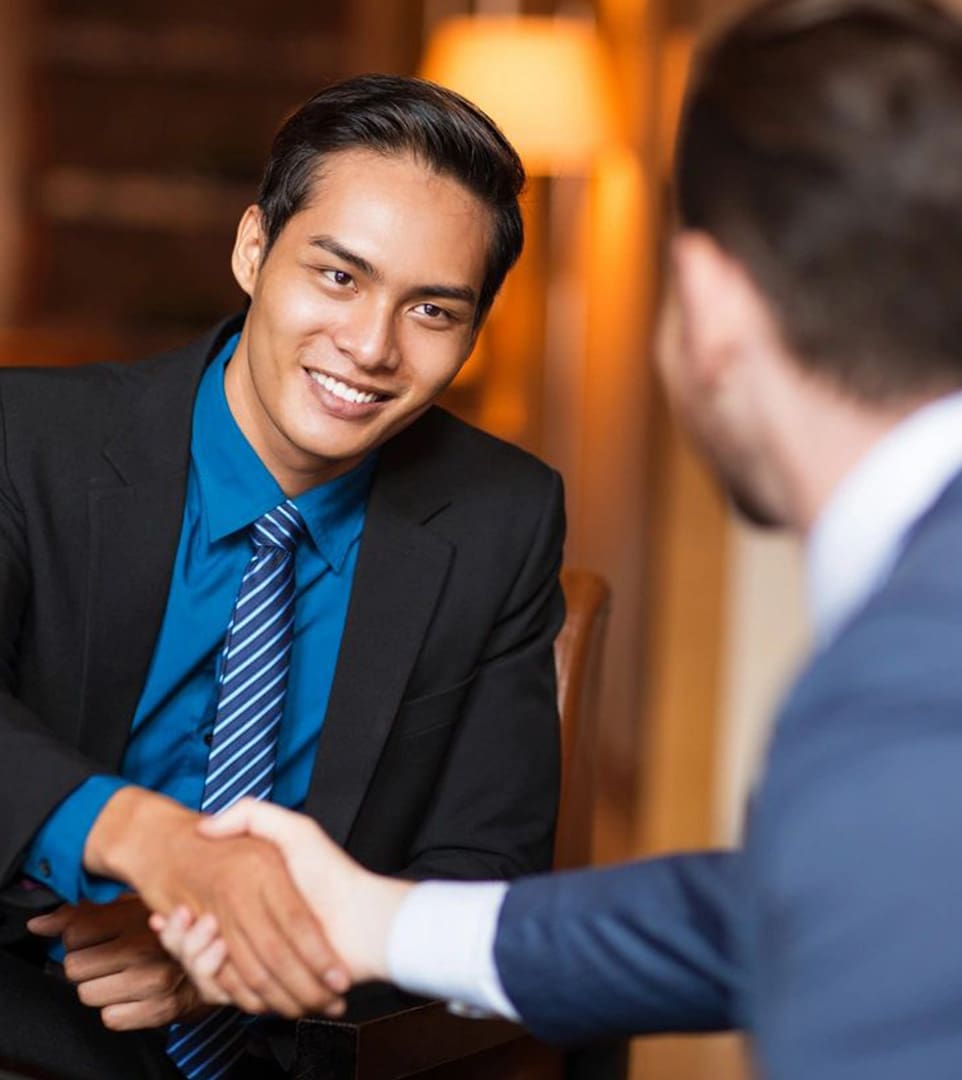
(822, 438)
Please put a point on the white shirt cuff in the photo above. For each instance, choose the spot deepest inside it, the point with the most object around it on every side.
(441, 944)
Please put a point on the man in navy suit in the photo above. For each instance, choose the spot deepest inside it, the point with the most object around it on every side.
(812, 342)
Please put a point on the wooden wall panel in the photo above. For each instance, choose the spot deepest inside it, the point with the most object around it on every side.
(13, 111)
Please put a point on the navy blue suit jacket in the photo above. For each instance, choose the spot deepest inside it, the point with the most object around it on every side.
(834, 936)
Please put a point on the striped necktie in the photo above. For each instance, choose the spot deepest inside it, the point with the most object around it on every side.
(250, 704)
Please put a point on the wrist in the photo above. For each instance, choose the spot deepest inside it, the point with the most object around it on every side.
(375, 904)
(125, 838)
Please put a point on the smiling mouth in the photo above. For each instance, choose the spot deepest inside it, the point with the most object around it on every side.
(351, 394)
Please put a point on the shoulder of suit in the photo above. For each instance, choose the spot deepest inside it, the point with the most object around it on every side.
(93, 398)
(905, 644)
(62, 398)
(466, 453)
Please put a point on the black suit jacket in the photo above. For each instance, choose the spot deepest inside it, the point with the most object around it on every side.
(439, 752)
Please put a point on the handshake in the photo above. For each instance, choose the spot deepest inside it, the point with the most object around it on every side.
(257, 908)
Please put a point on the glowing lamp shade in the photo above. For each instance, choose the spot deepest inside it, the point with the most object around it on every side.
(542, 80)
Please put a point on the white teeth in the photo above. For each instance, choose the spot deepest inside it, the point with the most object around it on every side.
(342, 390)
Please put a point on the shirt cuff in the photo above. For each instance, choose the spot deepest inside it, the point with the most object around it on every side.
(55, 857)
(458, 963)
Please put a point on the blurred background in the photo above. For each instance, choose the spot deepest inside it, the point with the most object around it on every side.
(132, 135)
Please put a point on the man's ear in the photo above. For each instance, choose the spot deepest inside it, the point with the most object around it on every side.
(249, 247)
(718, 305)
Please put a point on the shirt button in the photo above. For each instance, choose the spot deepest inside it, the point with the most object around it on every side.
(209, 738)
(44, 867)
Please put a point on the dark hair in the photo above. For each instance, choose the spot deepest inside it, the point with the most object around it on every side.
(392, 114)
(821, 146)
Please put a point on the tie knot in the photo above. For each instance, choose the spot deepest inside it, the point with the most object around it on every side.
(281, 527)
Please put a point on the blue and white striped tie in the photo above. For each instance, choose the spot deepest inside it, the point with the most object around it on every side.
(253, 685)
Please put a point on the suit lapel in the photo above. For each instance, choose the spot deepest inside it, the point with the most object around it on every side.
(400, 572)
(136, 505)
(133, 540)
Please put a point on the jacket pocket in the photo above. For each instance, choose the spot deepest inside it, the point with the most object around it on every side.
(425, 713)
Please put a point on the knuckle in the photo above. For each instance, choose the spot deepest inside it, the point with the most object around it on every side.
(305, 991)
(298, 918)
(113, 1019)
(314, 945)
(258, 980)
(316, 958)
(251, 1003)
(164, 1012)
(161, 981)
(290, 1010)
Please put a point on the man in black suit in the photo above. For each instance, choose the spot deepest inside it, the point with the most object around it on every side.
(419, 725)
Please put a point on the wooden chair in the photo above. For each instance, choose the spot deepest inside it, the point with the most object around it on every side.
(395, 1036)
(577, 652)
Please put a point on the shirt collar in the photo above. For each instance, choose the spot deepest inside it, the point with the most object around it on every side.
(236, 488)
(860, 534)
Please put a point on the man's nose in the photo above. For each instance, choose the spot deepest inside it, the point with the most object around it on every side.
(367, 335)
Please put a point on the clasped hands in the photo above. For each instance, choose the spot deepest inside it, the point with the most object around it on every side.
(245, 909)
(355, 907)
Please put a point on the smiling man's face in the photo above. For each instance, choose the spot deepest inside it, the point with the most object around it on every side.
(361, 313)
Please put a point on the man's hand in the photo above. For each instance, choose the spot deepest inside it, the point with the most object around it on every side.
(280, 960)
(356, 906)
(118, 966)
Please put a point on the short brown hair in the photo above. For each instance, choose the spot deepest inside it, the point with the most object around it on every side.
(822, 148)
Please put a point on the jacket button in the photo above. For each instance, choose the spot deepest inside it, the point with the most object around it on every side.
(209, 738)
(45, 868)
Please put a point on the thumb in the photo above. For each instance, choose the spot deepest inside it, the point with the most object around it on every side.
(293, 834)
(233, 822)
(53, 923)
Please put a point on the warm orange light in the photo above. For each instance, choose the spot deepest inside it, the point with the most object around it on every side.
(544, 81)
(675, 61)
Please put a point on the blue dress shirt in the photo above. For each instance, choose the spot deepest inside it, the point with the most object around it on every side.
(228, 488)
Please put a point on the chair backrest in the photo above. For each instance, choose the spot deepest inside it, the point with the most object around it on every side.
(578, 654)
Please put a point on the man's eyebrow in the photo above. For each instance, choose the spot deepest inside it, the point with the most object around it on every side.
(462, 293)
(447, 292)
(329, 244)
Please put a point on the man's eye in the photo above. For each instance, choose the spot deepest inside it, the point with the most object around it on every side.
(339, 277)
(432, 311)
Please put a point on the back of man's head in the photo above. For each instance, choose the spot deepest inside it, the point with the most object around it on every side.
(822, 149)
(393, 114)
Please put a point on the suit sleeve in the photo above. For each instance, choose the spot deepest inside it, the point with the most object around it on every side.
(494, 810)
(37, 771)
(635, 949)
(55, 856)
(860, 914)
